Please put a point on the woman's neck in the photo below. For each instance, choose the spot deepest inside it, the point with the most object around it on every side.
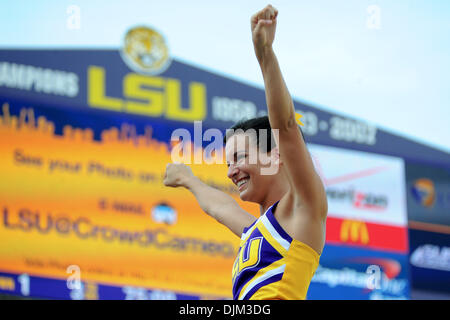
(276, 191)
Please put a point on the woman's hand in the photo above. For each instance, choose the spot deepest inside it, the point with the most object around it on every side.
(263, 25)
(177, 175)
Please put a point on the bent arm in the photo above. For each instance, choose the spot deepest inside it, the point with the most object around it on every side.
(220, 206)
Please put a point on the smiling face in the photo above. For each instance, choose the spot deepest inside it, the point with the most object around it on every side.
(245, 164)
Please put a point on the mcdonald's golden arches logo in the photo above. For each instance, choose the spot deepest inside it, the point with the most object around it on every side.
(354, 231)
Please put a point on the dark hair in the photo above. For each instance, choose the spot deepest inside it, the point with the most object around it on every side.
(256, 124)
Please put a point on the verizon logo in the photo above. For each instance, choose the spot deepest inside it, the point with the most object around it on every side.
(358, 199)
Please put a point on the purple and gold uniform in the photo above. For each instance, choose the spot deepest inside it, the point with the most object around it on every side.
(270, 264)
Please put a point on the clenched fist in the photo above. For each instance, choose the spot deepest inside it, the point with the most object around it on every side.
(177, 175)
(263, 24)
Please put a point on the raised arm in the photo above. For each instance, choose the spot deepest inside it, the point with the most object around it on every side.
(306, 185)
(215, 203)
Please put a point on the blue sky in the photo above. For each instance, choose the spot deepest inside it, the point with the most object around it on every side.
(393, 71)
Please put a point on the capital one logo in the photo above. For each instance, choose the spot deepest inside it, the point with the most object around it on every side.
(354, 231)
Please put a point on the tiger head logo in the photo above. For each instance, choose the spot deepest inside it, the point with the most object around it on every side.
(145, 50)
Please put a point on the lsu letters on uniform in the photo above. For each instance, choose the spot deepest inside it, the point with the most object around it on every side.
(270, 264)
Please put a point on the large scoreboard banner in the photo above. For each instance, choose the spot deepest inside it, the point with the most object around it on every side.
(85, 136)
(73, 204)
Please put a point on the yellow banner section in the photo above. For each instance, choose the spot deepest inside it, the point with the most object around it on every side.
(101, 205)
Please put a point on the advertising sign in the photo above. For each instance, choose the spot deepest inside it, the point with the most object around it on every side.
(362, 186)
(430, 260)
(367, 235)
(428, 194)
(360, 274)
